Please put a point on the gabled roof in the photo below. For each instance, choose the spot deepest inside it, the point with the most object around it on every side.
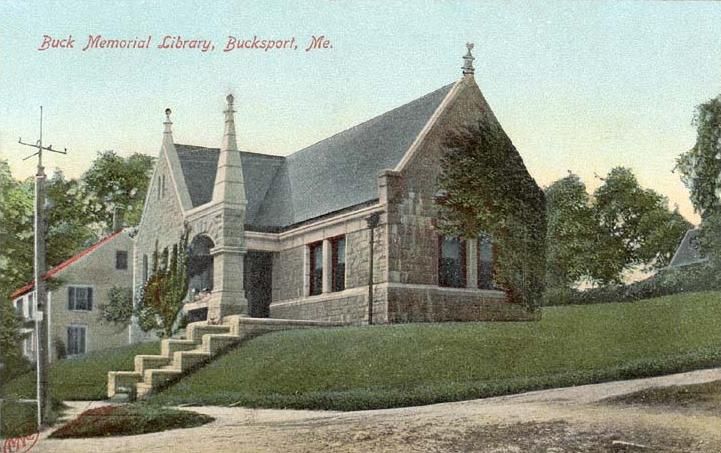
(65, 264)
(688, 252)
(329, 176)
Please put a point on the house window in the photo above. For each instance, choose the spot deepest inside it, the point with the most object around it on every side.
(338, 263)
(121, 260)
(145, 268)
(316, 268)
(31, 305)
(19, 307)
(76, 340)
(80, 298)
(162, 185)
(485, 262)
(451, 262)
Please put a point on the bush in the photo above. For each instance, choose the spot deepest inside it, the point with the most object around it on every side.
(692, 278)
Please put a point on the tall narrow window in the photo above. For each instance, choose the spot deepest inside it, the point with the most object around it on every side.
(31, 305)
(451, 262)
(145, 268)
(76, 340)
(316, 268)
(338, 260)
(121, 259)
(162, 185)
(485, 262)
(80, 298)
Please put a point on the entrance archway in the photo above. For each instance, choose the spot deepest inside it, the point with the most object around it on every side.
(200, 265)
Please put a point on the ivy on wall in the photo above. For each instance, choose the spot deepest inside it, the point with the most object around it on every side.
(485, 187)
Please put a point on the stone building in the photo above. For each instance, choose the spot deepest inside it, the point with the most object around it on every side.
(288, 237)
(74, 306)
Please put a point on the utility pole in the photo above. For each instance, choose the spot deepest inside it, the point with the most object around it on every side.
(373, 221)
(41, 296)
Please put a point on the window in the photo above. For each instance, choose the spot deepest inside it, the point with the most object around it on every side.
(80, 298)
(316, 268)
(145, 268)
(451, 262)
(19, 307)
(485, 262)
(338, 263)
(76, 340)
(31, 305)
(162, 186)
(121, 260)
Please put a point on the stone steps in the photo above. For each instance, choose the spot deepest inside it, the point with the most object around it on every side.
(179, 357)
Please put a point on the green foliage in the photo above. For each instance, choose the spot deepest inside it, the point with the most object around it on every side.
(571, 234)
(700, 166)
(353, 368)
(119, 308)
(639, 229)
(82, 378)
(597, 240)
(114, 182)
(166, 289)
(489, 190)
(128, 420)
(11, 358)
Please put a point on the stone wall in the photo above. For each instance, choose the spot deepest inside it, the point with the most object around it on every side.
(434, 304)
(350, 306)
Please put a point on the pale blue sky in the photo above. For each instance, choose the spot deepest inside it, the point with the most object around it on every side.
(580, 86)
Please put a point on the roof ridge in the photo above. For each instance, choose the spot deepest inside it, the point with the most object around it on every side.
(60, 267)
(377, 117)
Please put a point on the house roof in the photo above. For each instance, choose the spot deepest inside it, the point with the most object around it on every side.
(688, 252)
(65, 264)
(328, 176)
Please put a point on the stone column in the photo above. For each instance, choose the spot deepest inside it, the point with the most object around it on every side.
(327, 265)
(472, 263)
(228, 295)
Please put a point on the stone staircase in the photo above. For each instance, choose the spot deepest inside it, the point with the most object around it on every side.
(202, 342)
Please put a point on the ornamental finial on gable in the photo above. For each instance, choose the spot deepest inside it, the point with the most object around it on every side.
(468, 60)
(167, 123)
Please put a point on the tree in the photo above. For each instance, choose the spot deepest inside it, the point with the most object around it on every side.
(638, 229)
(165, 291)
(487, 189)
(571, 233)
(700, 169)
(114, 182)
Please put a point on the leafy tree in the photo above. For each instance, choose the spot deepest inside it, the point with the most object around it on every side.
(487, 189)
(114, 182)
(119, 308)
(700, 169)
(165, 291)
(571, 234)
(12, 362)
(638, 228)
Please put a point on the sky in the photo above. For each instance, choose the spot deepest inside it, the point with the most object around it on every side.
(578, 86)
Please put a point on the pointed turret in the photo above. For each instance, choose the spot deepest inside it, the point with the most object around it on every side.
(229, 186)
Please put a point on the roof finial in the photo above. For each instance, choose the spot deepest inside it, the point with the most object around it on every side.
(468, 60)
(167, 121)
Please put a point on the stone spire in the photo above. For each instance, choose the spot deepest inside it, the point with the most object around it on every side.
(229, 186)
(468, 60)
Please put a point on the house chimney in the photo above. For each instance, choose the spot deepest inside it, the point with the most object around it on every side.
(117, 219)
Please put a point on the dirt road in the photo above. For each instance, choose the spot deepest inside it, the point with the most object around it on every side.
(559, 420)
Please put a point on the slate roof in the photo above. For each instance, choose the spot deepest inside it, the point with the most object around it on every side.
(329, 176)
(688, 251)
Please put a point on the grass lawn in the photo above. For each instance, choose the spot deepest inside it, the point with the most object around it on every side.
(356, 368)
(128, 420)
(20, 419)
(82, 378)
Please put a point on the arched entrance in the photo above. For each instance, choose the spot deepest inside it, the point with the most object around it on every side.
(200, 266)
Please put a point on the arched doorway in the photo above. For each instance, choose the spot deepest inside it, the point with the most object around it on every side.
(200, 266)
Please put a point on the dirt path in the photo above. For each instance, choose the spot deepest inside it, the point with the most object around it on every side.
(558, 420)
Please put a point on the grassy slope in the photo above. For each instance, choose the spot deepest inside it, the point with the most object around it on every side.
(385, 366)
(83, 378)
